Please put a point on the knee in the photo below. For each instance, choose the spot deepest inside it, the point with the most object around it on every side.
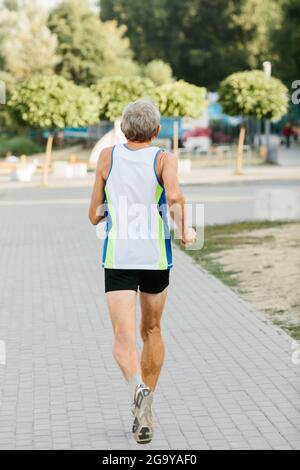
(150, 330)
(123, 341)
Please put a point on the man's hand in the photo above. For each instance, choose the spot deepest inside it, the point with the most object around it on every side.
(189, 238)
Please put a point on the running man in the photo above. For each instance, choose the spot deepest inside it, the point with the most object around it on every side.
(132, 176)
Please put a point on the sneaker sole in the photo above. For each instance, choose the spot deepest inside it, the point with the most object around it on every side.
(142, 429)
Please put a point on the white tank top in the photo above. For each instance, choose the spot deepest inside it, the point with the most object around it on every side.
(137, 231)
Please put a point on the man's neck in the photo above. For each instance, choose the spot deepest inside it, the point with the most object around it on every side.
(137, 145)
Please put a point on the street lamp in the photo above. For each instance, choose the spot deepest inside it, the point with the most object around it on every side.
(268, 72)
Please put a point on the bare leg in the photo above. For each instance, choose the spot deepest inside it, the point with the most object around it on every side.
(152, 306)
(121, 306)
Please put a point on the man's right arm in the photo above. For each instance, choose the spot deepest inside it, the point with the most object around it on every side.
(175, 198)
(96, 210)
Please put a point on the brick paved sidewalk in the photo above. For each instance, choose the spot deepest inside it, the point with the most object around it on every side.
(228, 380)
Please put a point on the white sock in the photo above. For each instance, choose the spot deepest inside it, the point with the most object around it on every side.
(133, 382)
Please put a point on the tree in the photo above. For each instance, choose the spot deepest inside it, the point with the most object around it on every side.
(203, 40)
(249, 94)
(159, 72)
(195, 36)
(286, 40)
(173, 99)
(214, 42)
(8, 20)
(26, 44)
(89, 49)
(258, 20)
(117, 55)
(180, 99)
(116, 92)
(6, 121)
(11, 4)
(146, 31)
(52, 103)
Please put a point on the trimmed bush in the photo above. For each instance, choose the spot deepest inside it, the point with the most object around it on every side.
(18, 146)
(116, 92)
(251, 94)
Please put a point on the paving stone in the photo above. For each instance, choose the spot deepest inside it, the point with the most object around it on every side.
(228, 381)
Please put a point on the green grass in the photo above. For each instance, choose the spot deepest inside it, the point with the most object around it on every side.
(225, 237)
(292, 330)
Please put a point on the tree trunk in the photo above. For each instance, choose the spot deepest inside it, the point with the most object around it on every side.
(176, 138)
(240, 153)
(47, 160)
(268, 132)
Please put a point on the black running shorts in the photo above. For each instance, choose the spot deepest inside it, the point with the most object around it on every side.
(147, 280)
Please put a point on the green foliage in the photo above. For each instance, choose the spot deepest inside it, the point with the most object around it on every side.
(11, 4)
(258, 20)
(116, 92)
(181, 99)
(159, 72)
(252, 94)
(203, 40)
(89, 49)
(18, 146)
(53, 102)
(27, 46)
(147, 24)
(174, 99)
(286, 41)
(6, 121)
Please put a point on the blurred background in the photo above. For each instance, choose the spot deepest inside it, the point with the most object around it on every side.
(120, 50)
(226, 77)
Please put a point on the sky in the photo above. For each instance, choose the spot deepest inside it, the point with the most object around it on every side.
(51, 3)
(48, 3)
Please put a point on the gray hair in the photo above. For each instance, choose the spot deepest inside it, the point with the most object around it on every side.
(140, 120)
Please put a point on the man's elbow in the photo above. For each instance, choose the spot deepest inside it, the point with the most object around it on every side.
(94, 219)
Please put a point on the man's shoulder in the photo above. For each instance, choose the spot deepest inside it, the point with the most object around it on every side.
(104, 161)
(105, 156)
(106, 152)
(166, 156)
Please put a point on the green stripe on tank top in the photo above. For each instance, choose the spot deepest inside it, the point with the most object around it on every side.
(163, 262)
(110, 253)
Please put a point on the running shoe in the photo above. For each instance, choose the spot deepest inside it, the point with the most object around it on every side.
(143, 425)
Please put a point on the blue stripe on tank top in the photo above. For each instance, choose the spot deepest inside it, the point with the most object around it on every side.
(106, 213)
(163, 211)
(108, 228)
(154, 165)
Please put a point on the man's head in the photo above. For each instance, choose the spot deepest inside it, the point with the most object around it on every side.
(141, 121)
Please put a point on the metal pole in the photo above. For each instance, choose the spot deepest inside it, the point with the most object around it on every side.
(268, 131)
(268, 72)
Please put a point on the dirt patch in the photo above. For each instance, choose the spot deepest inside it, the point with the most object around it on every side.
(265, 271)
